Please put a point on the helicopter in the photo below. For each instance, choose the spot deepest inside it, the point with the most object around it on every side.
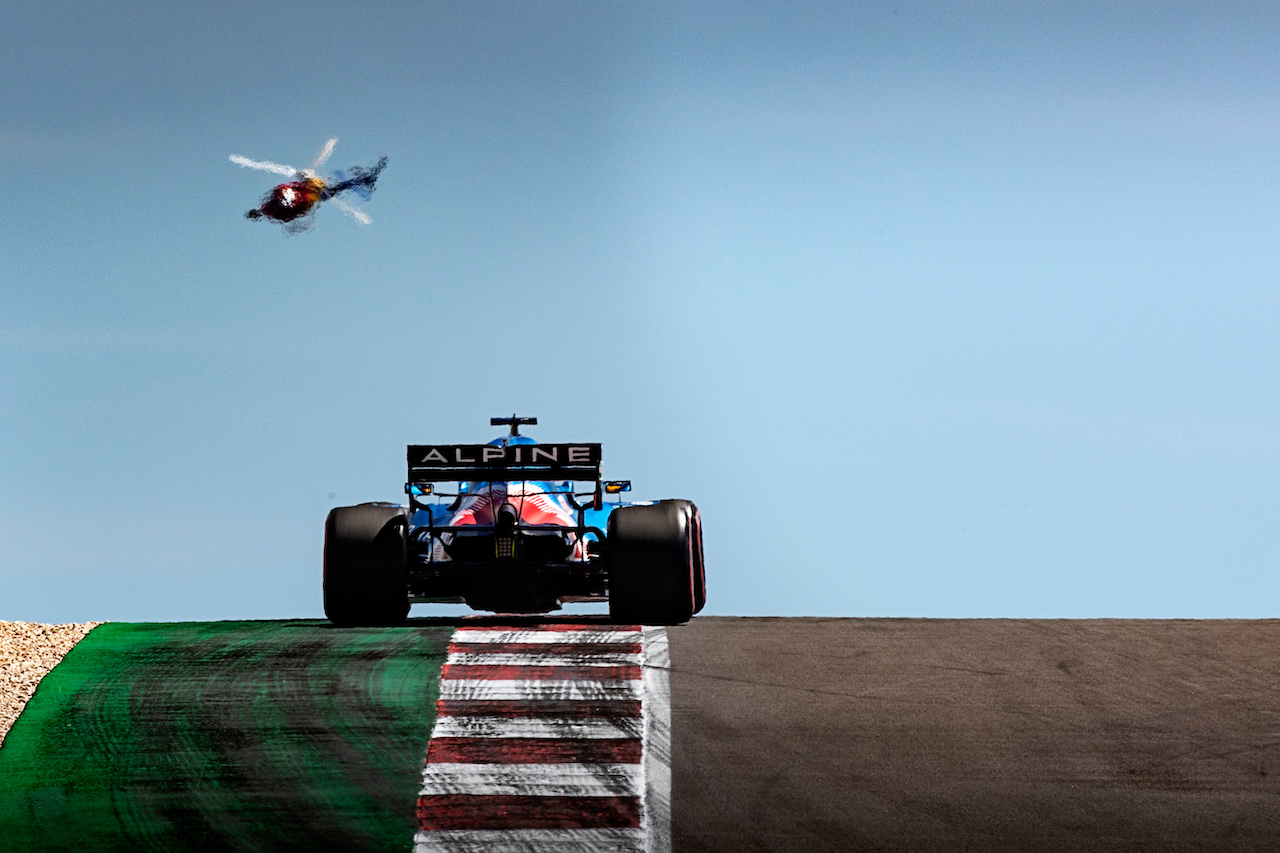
(293, 203)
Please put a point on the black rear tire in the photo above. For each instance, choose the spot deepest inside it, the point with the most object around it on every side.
(651, 563)
(364, 566)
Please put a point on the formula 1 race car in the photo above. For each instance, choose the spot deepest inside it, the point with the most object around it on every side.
(514, 537)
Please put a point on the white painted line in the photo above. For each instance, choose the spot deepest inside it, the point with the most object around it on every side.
(586, 658)
(473, 635)
(656, 707)
(536, 780)
(465, 690)
(532, 727)
(530, 841)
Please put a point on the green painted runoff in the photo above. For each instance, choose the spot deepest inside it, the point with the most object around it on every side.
(225, 736)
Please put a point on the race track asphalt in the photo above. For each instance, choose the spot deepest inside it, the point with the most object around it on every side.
(786, 735)
(975, 735)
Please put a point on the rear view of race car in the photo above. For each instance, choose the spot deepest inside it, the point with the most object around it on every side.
(500, 527)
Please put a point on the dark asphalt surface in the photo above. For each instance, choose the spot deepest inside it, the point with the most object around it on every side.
(984, 735)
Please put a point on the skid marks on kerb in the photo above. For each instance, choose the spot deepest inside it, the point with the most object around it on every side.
(550, 739)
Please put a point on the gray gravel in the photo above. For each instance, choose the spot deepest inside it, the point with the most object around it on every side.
(28, 650)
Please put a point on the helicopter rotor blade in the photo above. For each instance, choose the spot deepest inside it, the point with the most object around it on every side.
(264, 165)
(323, 153)
(354, 212)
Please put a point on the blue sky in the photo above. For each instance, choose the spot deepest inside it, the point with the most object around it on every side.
(935, 309)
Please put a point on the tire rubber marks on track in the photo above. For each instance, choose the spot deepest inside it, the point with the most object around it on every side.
(555, 738)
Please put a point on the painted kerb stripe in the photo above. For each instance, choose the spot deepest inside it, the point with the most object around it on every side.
(523, 841)
(547, 709)
(550, 738)
(543, 780)
(534, 690)
(500, 672)
(546, 650)
(534, 658)
(539, 727)
(521, 637)
(534, 750)
(519, 813)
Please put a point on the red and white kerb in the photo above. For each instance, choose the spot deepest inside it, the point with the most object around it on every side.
(552, 738)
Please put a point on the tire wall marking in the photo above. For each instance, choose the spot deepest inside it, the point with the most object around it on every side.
(554, 738)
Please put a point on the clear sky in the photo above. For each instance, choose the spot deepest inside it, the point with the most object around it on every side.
(934, 308)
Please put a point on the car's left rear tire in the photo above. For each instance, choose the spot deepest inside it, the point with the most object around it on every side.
(364, 566)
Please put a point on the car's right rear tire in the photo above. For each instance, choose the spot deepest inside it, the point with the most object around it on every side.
(364, 566)
(653, 551)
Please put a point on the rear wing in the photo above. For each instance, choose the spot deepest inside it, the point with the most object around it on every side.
(479, 463)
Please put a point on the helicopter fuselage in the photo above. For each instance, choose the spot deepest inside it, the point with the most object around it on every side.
(295, 199)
